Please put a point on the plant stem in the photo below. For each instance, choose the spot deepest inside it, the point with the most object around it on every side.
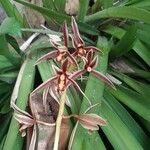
(59, 120)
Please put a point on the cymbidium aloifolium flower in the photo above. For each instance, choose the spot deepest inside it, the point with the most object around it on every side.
(64, 77)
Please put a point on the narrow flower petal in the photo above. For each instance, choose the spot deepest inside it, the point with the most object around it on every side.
(72, 59)
(65, 66)
(22, 129)
(77, 74)
(89, 56)
(56, 69)
(18, 110)
(102, 77)
(65, 34)
(24, 119)
(92, 48)
(78, 88)
(45, 84)
(55, 44)
(54, 94)
(94, 62)
(91, 121)
(88, 126)
(52, 54)
(76, 33)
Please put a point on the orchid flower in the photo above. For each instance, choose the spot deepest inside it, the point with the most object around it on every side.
(88, 121)
(79, 45)
(89, 65)
(61, 51)
(61, 81)
(26, 120)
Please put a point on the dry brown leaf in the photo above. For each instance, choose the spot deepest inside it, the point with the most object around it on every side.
(46, 133)
(64, 135)
(122, 66)
(72, 7)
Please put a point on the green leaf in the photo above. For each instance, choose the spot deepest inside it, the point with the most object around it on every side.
(117, 132)
(14, 139)
(88, 28)
(49, 4)
(4, 63)
(126, 42)
(10, 26)
(9, 77)
(59, 17)
(141, 4)
(11, 10)
(121, 12)
(5, 87)
(60, 5)
(4, 50)
(138, 47)
(133, 100)
(127, 119)
(93, 87)
(136, 85)
(83, 9)
(5, 120)
(107, 4)
(13, 42)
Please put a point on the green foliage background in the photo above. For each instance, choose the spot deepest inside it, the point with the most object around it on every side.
(122, 30)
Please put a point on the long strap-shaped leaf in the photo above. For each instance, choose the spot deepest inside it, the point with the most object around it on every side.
(94, 91)
(13, 139)
(52, 14)
(121, 12)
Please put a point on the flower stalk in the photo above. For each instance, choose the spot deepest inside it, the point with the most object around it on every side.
(59, 119)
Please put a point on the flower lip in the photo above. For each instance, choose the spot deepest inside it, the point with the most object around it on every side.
(89, 69)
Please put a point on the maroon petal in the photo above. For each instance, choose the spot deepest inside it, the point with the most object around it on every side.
(19, 111)
(92, 48)
(76, 33)
(89, 56)
(45, 84)
(72, 59)
(65, 33)
(56, 69)
(23, 127)
(94, 62)
(74, 44)
(65, 66)
(52, 54)
(102, 77)
(75, 54)
(22, 119)
(76, 74)
(54, 94)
